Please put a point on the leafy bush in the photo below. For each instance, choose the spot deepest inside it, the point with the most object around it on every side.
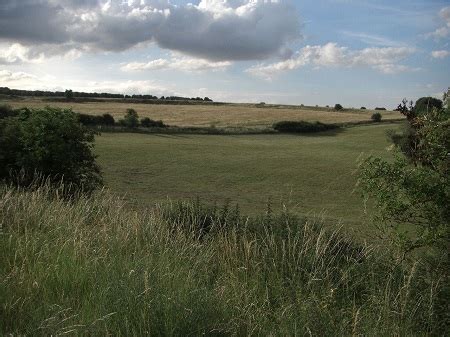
(426, 104)
(51, 143)
(376, 117)
(363, 108)
(7, 111)
(338, 107)
(131, 119)
(303, 127)
(414, 189)
(108, 119)
(377, 108)
(150, 123)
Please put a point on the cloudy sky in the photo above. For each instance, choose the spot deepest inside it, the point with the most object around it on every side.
(355, 52)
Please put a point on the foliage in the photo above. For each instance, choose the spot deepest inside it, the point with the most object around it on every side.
(49, 143)
(376, 117)
(150, 123)
(68, 94)
(426, 104)
(7, 111)
(382, 109)
(363, 108)
(93, 120)
(412, 192)
(338, 107)
(131, 119)
(108, 119)
(95, 266)
(303, 127)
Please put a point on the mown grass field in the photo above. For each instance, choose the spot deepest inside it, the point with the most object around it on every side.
(229, 115)
(309, 174)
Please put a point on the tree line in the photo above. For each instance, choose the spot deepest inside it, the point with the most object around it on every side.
(70, 94)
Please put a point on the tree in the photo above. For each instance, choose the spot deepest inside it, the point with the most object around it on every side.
(376, 117)
(412, 192)
(68, 94)
(338, 107)
(131, 119)
(425, 104)
(51, 143)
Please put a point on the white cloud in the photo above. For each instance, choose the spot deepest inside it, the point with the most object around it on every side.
(15, 78)
(443, 31)
(181, 64)
(440, 54)
(384, 60)
(220, 30)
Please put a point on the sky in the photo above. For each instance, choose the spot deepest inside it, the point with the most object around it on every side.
(369, 53)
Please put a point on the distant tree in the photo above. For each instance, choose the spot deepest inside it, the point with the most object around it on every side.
(363, 108)
(108, 119)
(376, 117)
(68, 94)
(377, 108)
(425, 104)
(149, 123)
(207, 99)
(338, 107)
(131, 119)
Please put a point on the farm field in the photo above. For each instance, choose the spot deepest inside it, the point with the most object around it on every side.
(311, 175)
(229, 115)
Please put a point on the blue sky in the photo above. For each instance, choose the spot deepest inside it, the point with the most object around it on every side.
(357, 53)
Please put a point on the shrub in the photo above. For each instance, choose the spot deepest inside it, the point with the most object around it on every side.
(131, 119)
(150, 123)
(338, 107)
(426, 104)
(363, 108)
(303, 127)
(376, 117)
(51, 143)
(108, 119)
(377, 108)
(7, 111)
(89, 120)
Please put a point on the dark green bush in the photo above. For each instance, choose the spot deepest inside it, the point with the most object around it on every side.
(338, 107)
(376, 117)
(89, 120)
(303, 127)
(377, 108)
(131, 119)
(7, 111)
(49, 143)
(363, 108)
(150, 123)
(108, 119)
(426, 104)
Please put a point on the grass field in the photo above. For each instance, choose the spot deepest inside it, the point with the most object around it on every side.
(310, 174)
(233, 115)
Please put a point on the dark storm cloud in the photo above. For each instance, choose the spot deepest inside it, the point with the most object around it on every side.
(214, 29)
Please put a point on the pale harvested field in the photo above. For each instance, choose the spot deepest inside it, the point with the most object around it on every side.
(232, 115)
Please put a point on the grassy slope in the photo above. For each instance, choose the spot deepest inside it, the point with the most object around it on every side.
(95, 268)
(245, 115)
(308, 173)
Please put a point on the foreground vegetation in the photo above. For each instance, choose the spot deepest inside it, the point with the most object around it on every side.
(92, 267)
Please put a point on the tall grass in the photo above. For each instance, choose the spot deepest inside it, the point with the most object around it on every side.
(92, 266)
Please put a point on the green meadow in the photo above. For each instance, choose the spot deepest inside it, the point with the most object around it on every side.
(309, 174)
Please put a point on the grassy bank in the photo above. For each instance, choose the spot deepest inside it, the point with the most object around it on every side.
(93, 267)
